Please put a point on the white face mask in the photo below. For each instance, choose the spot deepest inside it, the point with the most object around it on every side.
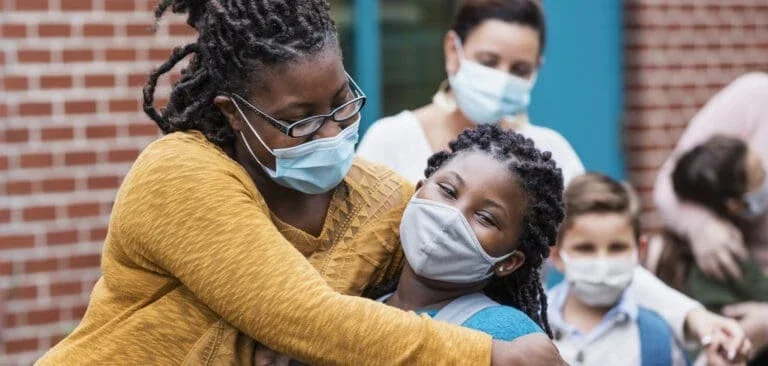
(599, 281)
(757, 201)
(486, 95)
(440, 245)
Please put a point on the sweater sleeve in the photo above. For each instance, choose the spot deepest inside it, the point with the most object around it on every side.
(653, 294)
(198, 219)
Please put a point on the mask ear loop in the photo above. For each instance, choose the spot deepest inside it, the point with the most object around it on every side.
(245, 141)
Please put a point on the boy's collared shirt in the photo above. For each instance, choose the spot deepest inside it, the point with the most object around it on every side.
(615, 341)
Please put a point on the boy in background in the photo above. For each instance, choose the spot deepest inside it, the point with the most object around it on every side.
(595, 322)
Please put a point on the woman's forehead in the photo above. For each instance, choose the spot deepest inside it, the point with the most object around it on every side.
(305, 78)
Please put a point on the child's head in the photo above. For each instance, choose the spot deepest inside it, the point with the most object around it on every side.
(724, 175)
(600, 240)
(500, 201)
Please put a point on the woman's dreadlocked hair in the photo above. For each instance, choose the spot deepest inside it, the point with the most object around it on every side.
(235, 39)
(542, 181)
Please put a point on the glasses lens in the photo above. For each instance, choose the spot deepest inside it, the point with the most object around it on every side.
(348, 111)
(307, 127)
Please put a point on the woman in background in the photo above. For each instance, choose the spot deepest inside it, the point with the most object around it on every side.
(492, 56)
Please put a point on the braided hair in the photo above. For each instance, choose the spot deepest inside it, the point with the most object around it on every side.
(542, 181)
(236, 38)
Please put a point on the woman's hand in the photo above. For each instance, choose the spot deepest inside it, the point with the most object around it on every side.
(717, 246)
(534, 349)
(753, 317)
(724, 340)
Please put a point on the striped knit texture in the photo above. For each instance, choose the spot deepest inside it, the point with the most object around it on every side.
(194, 265)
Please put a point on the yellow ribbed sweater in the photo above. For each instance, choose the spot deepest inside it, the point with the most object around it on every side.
(195, 267)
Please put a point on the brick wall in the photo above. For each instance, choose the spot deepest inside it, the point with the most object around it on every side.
(70, 127)
(678, 55)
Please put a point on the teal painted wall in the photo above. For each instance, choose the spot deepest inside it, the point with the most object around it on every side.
(580, 87)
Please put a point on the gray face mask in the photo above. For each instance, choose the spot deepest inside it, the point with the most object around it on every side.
(440, 245)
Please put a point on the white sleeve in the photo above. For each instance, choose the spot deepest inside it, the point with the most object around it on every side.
(650, 292)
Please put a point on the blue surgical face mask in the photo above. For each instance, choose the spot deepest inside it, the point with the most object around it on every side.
(314, 167)
(486, 95)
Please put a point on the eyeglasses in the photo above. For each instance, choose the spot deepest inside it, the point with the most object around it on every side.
(309, 125)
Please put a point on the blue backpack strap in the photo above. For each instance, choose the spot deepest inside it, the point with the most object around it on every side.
(655, 339)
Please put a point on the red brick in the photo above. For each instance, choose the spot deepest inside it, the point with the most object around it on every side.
(39, 160)
(124, 105)
(35, 109)
(119, 5)
(21, 345)
(108, 131)
(80, 158)
(98, 234)
(57, 133)
(16, 135)
(15, 83)
(99, 81)
(16, 241)
(79, 311)
(83, 210)
(121, 54)
(59, 185)
(34, 56)
(14, 188)
(107, 182)
(143, 129)
(159, 54)
(123, 155)
(38, 317)
(54, 30)
(13, 31)
(76, 5)
(66, 288)
(80, 107)
(98, 30)
(137, 80)
(6, 268)
(32, 5)
(56, 82)
(5, 217)
(180, 29)
(81, 55)
(84, 261)
(61, 237)
(26, 292)
(13, 320)
(3, 162)
(39, 213)
(134, 30)
(55, 339)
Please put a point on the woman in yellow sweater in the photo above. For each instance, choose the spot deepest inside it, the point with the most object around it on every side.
(239, 226)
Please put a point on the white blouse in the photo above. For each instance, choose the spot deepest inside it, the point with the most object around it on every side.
(399, 142)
